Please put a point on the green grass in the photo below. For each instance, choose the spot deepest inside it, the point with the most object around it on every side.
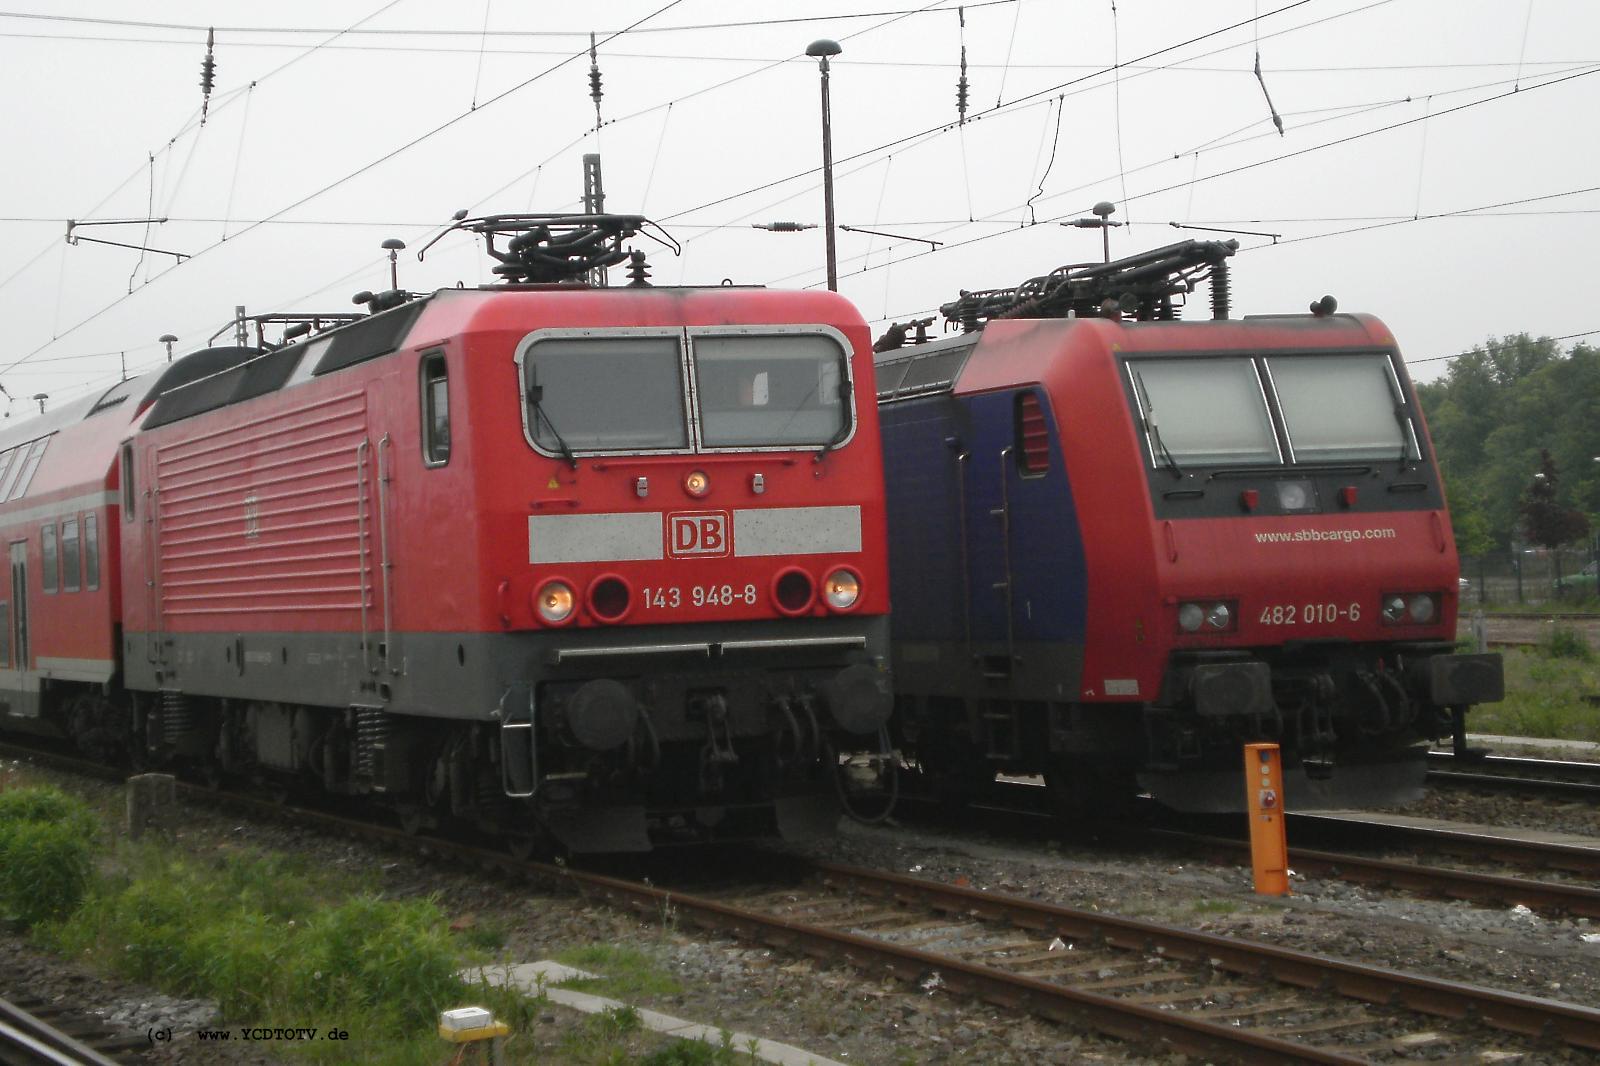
(1544, 696)
(1215, 906)
(277, 941)
(625, 972)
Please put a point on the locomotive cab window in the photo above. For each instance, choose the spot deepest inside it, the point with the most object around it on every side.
(71, 571)
(601, 393)
(1342, 407)
(47, 555)
(435, 410)
(771, 389)
(1203, 411)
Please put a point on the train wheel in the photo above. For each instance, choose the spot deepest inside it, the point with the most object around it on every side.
(524, 846)
(1085, 793)
(413, 819)
(955, 777)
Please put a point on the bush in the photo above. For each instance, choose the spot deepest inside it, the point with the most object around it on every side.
(1567, 642)
(46, 862)
(45, 869)
(380, 954)
(46, 804)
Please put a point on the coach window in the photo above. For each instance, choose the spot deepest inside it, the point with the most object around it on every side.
(71, 559)
(771, 389)
(435, 410)
(5, 634)
(127, 482)
(91, 552)
(47, 552)
(596, 393)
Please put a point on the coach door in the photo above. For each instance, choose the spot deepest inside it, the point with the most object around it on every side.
(27, 703)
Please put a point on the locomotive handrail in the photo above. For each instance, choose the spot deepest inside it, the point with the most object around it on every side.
(1005, 553)
(361, 549)
(857, 641)
(561, 655)
(384, 450)
(507, 723)
(700, 458)
(966, 563)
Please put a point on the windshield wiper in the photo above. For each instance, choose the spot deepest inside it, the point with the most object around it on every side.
(1151, 428)
(845, 421)
(536, 400)
(1405, 435)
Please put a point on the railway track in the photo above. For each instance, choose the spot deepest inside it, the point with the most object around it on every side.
(44, 1036)
(1550, 777)
(1162, 986)
(1313, 835)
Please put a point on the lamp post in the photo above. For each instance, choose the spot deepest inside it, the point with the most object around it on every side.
(822, 49)
(169, 340)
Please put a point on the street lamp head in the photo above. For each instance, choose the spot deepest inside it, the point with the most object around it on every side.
(394, 244)
(823, 48)
(167, 338)
(1105, 208)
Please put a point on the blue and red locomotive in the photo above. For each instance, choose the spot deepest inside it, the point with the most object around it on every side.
(605, 564)
(1124, 545)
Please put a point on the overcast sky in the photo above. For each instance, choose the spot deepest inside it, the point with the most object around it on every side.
(319, 144)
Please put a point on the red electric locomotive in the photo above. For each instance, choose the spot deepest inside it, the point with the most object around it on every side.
(602, 563)
(1125, 545)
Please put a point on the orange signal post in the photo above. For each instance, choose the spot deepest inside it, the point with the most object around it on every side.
(1269, 846)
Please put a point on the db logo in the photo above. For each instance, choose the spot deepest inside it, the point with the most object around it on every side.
(702, 534)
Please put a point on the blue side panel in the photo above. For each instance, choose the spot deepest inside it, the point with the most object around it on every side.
(922, 440)
(919, 460)
(1044, 548)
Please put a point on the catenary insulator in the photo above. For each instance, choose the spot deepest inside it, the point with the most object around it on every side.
(594, 80)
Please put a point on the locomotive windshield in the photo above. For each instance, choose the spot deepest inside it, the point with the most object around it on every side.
(605, 393)
(1341, 407)
(1328, 407)
(751, 387)
(1205, 411)
(769, 389)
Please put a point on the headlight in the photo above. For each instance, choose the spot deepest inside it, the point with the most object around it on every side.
(1421, 608)
(696, 483)
(841, 590)
(1295, 495)
(1411, 608)
(1394, 609)
(1216, 614)
(554, 602)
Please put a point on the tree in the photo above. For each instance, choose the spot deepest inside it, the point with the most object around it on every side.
(1546, 522)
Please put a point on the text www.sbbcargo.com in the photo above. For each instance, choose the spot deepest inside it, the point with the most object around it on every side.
(1342, 536)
